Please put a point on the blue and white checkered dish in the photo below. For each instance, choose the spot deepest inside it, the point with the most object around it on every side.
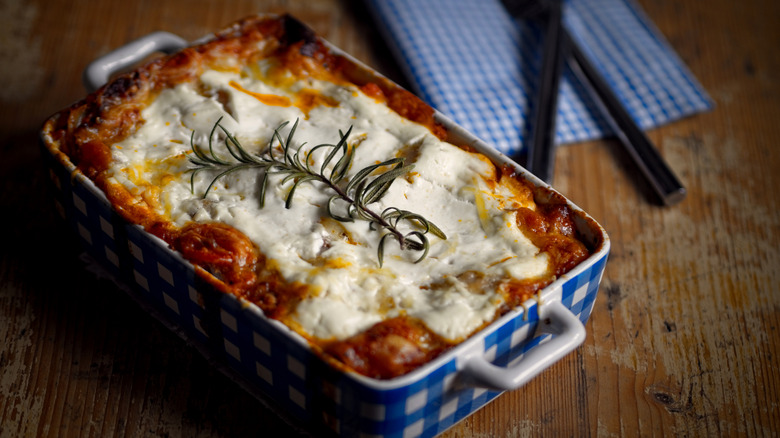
(479, 66)
(278, 365)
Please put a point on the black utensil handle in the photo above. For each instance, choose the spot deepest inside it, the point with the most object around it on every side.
(541, 149)
(655, 169)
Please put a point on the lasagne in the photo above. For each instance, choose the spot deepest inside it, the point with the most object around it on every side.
(327, 196)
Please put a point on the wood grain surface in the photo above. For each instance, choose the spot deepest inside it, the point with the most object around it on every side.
(684, 337)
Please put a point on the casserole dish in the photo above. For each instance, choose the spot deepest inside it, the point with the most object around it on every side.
(286, 361)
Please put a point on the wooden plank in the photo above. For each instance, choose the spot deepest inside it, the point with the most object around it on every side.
(683, 334)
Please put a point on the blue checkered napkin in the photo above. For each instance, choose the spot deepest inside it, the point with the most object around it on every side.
(479, 66)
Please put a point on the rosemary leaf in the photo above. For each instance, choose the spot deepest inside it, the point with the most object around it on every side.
(351, 198)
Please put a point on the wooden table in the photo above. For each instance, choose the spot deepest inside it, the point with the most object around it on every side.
(684, 337)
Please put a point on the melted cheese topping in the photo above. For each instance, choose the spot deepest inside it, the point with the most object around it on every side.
(455, 290)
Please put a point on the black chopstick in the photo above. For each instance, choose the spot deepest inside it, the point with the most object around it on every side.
(541, 147)
(560, 48)
(652, 165)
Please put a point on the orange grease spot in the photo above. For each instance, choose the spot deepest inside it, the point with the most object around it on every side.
(268, 99)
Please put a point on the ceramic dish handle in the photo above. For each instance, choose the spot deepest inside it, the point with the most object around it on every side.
(568, 333)
(98, 71)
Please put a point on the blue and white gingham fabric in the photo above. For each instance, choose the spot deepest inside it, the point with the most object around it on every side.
(479, 66)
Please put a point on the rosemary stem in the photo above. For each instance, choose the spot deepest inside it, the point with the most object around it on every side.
(365, 188)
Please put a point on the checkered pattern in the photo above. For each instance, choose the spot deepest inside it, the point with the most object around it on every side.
(475, 63)
(277, 364)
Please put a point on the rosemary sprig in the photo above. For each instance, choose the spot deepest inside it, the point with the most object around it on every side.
(351, 198)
